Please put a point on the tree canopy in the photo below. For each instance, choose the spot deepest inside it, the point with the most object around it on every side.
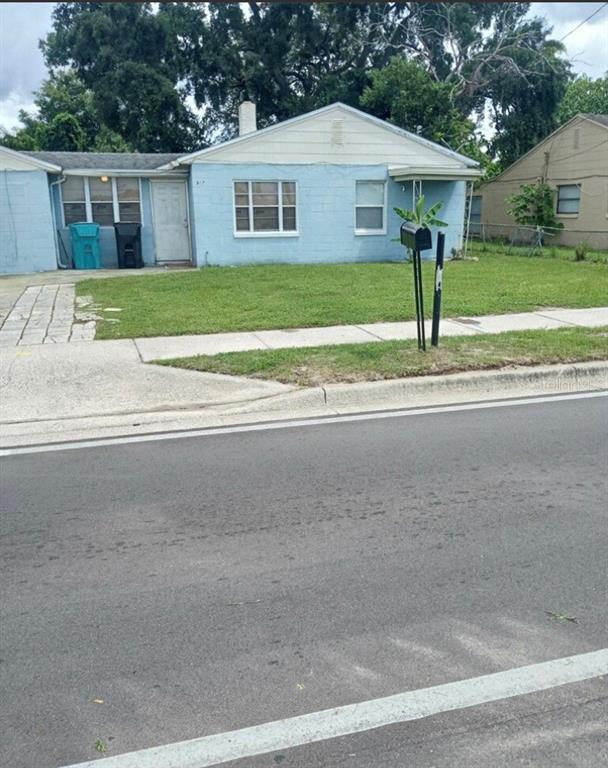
(66, 120)
(584, 95)
(169, 76)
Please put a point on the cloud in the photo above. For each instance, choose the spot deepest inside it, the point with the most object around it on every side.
(21, 65)
(587, 47)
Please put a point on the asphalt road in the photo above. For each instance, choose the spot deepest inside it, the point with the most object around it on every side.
(163, 591)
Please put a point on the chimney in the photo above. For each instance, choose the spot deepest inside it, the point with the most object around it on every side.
(247, 121)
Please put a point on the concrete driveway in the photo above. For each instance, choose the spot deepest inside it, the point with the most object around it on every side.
(50, 386)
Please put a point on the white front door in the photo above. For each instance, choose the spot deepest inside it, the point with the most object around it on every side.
(171, 230)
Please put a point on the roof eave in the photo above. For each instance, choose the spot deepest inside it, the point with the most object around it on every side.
(40, 164)
(123, 172)
(434, 174)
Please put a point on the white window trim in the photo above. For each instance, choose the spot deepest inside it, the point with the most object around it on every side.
(115, 204)
(280, 232)
(367, 232)
(580, 198)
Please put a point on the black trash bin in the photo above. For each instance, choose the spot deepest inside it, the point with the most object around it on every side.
(128, 245)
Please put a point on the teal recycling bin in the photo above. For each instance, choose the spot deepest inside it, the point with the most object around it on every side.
(86, 253)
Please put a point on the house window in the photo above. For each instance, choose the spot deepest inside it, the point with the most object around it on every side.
(101, 201)
(74, 200)
(127, 192)
(102, 207)
(265, 207)
(569, 198)
(369, 207)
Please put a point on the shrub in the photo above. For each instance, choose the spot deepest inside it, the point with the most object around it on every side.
(581, 251)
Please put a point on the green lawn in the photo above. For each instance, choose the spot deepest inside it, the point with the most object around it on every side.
(562, 252)
(397, 359)
(263, 297)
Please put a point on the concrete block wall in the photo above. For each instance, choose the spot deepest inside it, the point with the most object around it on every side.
(325, 210)
(27, 238)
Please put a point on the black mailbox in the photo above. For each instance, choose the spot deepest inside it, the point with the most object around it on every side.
(416, 238)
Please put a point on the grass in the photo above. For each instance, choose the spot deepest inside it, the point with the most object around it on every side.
(561, 252)
(218, 299)
(397, 359)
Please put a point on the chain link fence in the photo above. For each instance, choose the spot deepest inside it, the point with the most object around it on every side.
(534, 237)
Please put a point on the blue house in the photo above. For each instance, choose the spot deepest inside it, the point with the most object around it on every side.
(318, 188)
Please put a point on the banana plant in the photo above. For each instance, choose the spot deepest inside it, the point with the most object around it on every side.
(421, 217)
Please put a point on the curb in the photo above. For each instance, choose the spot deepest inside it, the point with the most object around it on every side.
(550, 379)
(517, 381)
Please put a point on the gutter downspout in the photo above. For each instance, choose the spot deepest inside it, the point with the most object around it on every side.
(60, 264)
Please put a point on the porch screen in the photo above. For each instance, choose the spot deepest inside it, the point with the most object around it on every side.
(264, 206)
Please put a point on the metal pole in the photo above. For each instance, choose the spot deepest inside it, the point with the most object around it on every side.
(416, 263)
(422, 329)
(438, 288)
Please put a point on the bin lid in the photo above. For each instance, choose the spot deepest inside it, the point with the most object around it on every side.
(128, 228)
(84, 229)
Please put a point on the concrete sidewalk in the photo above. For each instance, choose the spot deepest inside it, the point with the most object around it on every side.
(62, 391)
(166, 347)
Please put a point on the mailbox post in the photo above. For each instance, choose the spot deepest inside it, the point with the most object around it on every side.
(417, 239)
(438, 289)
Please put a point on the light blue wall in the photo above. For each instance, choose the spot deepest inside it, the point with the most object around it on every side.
(326, 214)
(107, 237)
(27, 241)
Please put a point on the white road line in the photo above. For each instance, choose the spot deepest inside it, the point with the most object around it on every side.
(289, 424)
(355, 718)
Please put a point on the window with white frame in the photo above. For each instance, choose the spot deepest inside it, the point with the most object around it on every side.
(370, 207)
(101, 199)
(74, 199)
(569, 198)
(127, 193)
(102, 205)
(265, 207)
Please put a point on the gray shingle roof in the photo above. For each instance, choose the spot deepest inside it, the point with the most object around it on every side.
(603, 119)
(111, 161)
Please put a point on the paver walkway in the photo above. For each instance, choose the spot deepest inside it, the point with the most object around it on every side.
(44, 314)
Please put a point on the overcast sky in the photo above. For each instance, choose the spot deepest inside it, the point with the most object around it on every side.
(23, 24)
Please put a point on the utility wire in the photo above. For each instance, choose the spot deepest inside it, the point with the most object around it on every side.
(597, 10)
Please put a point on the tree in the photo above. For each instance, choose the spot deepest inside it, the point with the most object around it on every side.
(287, 57)
(489, 54)
(405, 94)
(584, 95)
(526, 114)
(66, 120)
(534, 205)
(125, 55)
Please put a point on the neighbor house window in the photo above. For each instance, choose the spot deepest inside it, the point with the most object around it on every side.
(568, 198)
(264, 207)
(74, 200)
(101, 199)
(369, 207)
